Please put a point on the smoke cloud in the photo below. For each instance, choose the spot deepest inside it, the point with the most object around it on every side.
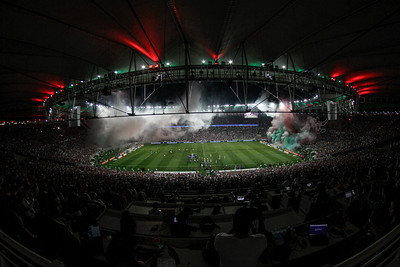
(290, 130)
(109, 132)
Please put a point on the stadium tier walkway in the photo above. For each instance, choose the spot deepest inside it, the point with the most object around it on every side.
(189, 249)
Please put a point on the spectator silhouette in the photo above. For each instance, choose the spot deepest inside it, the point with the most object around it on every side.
(55, 235)
(121, 250)
(240, 248)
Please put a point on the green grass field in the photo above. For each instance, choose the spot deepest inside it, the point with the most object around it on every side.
(174, 157)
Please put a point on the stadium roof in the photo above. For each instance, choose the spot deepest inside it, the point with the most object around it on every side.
(48, 44)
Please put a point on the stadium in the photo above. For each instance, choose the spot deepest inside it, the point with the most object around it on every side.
(199, 133)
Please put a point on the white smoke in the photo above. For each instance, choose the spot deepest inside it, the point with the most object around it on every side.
(264, 105)
(159, 127)
(261, 102)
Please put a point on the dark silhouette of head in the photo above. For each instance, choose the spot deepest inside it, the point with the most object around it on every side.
(241, 222)
(127, 223)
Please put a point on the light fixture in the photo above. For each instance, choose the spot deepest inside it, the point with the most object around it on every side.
(98, 76)
(230, 61)
(283, 67)
(115, 72)
(203, 61)
(167, 63)
(143, 67)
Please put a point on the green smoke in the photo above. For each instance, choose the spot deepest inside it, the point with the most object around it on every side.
(290, 142)
(277, 137)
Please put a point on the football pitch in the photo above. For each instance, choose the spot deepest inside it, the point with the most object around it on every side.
(202, 156)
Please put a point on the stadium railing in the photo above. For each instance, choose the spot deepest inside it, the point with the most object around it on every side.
(380, 253)
(13, 253)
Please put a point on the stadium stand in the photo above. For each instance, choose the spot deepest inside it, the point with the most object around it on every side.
(57, 204)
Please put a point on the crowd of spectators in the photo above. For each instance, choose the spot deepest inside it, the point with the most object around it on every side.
(356, 132)
(48, 189)
(53, 141)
